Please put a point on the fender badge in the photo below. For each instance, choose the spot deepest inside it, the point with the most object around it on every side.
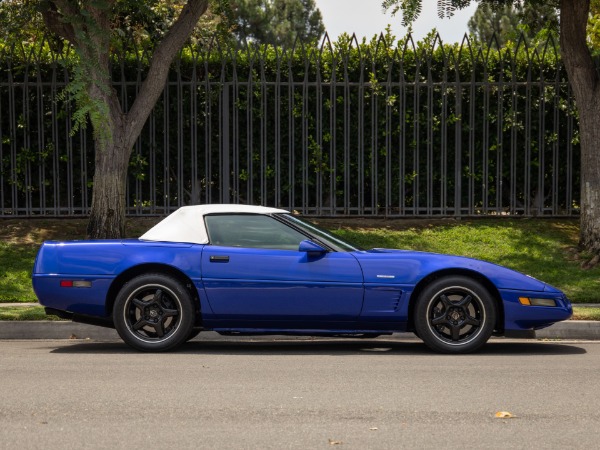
(386, 276)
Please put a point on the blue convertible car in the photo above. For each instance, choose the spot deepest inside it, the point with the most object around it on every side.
(239, 269)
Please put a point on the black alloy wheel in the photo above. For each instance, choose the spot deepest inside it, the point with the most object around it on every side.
(154, 312)
(455, 315)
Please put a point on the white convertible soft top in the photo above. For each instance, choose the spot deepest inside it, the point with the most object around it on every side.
(187, 223)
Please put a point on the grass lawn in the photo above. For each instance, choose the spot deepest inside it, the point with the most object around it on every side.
(543, 248)
(586, 313)
(25, 313)
(16, 261)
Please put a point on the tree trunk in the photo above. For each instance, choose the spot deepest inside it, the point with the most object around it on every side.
(107, 216)
(589, 130)
(585, 83)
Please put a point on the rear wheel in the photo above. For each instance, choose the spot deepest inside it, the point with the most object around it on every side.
(154, 312)
(455, 315)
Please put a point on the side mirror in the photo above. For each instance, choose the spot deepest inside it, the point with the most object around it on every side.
(311, 248)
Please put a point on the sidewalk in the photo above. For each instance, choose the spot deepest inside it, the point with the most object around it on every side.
(43, 329)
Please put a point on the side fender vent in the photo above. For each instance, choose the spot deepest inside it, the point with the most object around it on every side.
(396, 301)
(381, 300)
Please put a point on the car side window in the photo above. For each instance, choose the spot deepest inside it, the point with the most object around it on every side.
(252, 231)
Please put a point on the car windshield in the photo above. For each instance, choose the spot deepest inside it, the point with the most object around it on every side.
(320, 234)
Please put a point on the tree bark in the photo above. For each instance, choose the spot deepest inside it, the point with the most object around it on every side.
(107, 216)
(585, 83)
(589, 130)
(112, 153)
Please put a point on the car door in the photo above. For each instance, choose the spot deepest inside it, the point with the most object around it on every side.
(254, 275)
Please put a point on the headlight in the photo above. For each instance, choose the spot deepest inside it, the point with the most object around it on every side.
(528, 301)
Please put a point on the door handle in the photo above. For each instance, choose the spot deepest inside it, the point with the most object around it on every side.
(219, 258)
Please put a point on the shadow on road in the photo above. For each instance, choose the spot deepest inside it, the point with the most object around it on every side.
(340, 347)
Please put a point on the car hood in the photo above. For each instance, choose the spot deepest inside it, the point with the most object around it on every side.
(382, 265)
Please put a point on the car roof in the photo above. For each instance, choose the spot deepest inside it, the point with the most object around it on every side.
(187, 223)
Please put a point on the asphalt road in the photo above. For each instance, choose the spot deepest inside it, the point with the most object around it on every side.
(304, 394)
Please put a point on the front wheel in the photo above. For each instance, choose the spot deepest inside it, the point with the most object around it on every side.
(455, 315)
(154, 312)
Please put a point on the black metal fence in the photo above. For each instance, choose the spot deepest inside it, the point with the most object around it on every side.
(344, 129)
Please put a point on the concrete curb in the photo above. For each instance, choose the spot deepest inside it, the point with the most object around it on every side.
(571, 329)
(41, 329)
(46, 329)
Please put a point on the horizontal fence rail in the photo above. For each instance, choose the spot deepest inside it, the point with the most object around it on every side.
(418, 129)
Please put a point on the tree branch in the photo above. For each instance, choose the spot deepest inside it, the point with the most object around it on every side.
(164, 54)
(55, 21)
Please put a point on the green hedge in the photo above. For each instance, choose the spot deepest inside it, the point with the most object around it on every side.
(379, 127)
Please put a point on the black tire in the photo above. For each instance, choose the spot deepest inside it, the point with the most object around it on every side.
(455, 315)
(154, 313)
